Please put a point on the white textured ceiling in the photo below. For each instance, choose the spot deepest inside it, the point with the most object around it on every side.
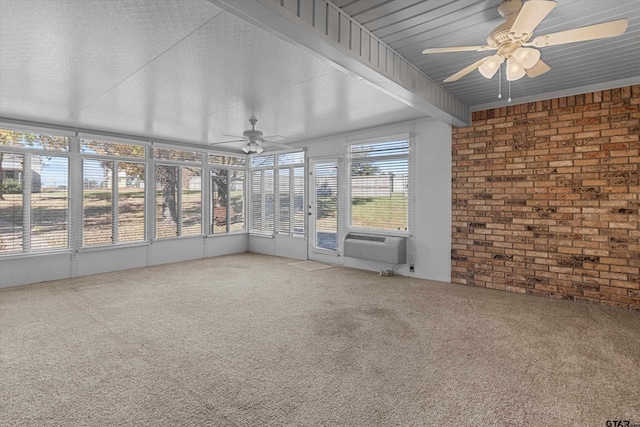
(181, 70)
(187, 71)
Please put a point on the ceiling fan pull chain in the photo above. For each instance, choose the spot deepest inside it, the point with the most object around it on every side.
(500, 81)
(509, 100)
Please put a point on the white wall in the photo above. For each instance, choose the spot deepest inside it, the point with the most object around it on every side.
(32, 268)
(429, 247)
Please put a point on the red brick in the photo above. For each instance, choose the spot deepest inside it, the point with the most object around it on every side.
(562, 177)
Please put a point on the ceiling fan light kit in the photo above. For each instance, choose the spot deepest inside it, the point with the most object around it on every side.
(491, 66)
(511, 40)
(254, 140)
(515, 70)
(252, 148)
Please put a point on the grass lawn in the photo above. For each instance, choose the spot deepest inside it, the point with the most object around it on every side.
(389, 213)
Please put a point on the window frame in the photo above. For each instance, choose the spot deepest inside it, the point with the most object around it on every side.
(115, 198)
(409, 156)
(229, 168)
(28, 152)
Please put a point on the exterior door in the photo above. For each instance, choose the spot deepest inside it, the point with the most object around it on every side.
(324, 211)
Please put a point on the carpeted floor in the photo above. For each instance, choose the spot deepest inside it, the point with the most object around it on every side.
(248, 340)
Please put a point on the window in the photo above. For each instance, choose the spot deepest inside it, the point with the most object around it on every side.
(11, 203)
(277, 194)
(178, 193)
(227, 200)
(178, 201)
(49, 202)
(262, 201)
(227, 193)
(97, 202)
(34, 201)
(113, 198)
(291, 193)
(379, 184)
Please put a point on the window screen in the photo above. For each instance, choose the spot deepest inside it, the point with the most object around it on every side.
(291, 200)
(49, 202)
(379, 184)
(178, 201)
(131, 217)
(227, 200)
(97, 203)
(262, 201)
(11, 207)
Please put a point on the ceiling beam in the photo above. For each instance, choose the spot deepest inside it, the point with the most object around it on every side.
(328, 32)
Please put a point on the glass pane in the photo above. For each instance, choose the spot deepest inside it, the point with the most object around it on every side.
(220, 207)
(49, 202)
(260, 161)
(131, 218)
(97, 204)
(379, 194)
(326, 184)
(298, 200)
(379, 149)
(39, 141)
(166, 201)
(191, 201)
(179, 155)
(284, 196)
(291, 158)
(215, 159)
(11, 203)
(107, 148)
(256, 201)
(269, 201)
(236, 194)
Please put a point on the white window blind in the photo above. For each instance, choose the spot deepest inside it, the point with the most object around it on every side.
(97, 202)
(191, 201)
(291, 200)
(131, 217)
(379, 185)
(262, 201)
(113, 192)
(49, 202)
(178, 201)
(284, 199)
(11, 208)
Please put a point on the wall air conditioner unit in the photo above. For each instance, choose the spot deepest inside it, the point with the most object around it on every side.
(390, 249)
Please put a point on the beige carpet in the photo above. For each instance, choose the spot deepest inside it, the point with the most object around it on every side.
(245, 340)
(310, 265)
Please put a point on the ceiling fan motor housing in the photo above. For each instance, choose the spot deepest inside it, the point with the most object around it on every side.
(501, 34)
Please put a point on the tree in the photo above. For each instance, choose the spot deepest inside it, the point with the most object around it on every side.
(364, 168)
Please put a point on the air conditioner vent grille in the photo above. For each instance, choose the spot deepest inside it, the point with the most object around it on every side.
(389, 249)
(367, 237)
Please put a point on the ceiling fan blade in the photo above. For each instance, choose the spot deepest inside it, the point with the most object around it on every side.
(466, 70)
(232, 136)
(277, 144)
(457, 49)
(278, 137)
(537, 70)
(592, 32)
(531, 14)
(227, 142)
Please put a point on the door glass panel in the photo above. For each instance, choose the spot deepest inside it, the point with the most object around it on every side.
(326, 215)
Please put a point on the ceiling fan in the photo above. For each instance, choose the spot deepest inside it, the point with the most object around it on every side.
(511, 40)
(254, 139)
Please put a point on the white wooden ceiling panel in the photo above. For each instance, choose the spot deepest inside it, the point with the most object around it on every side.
(411, 27)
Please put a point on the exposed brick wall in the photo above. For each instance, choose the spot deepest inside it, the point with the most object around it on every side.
(546, 198)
